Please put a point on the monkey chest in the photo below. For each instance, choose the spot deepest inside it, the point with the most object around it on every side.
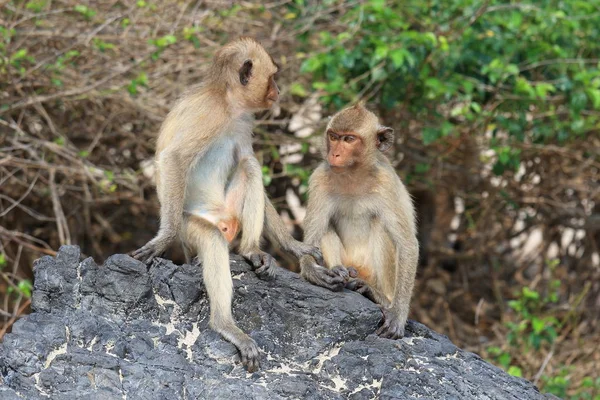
(356, 220)
(208, 177)
(365, 242)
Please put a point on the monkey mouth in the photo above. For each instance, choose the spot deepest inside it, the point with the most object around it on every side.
(336, 168)
(334, 163)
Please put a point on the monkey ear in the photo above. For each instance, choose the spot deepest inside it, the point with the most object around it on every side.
(245, 72)
(385, 137)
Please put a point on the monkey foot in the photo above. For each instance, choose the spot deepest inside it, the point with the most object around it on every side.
(245, 344)
(392, 327)
(249, 354)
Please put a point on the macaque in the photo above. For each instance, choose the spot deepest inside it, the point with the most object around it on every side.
(362, 216)
(209, 182)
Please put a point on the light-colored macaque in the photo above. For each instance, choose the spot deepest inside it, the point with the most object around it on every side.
(209, 182)
(362, 216)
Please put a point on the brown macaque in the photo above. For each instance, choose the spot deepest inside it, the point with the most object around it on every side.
(362, 216)
(209, 182)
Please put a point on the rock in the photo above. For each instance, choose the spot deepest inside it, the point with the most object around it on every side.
(123, 330)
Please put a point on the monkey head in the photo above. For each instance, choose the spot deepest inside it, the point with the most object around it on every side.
(353, 138)
(247, 73)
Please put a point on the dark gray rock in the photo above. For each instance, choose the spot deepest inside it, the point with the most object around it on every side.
(123, 330)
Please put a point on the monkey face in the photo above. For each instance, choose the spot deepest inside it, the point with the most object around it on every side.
(272, 94)
(257, 78)
(344, 149)
(354, 136)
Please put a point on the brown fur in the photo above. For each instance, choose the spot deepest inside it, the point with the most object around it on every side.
(208, 179)
(362, 216)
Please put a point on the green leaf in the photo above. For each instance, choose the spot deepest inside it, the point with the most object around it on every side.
(311, 65)
(25, 287)
(381, 51)
(2, 260)
(515, 371)
(398, 57)
(578, 101)
(430, 135)
(36, 5)
(164, 41)
(530, 294)
(422, 168)
(305, 148)
(541, 89)
(443, 43)
(594, 96)
(132, 87)
(537, 325)
(87, 12)
(298, 90)
(524, 87)
(18, 55)
(142, 78)
(504, 359)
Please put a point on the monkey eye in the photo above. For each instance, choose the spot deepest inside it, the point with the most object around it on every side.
(349, 139)
(333, 137)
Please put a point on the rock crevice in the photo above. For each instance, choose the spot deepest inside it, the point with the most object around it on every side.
(126, 331)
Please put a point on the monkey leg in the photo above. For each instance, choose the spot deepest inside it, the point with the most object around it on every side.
(332, 248)
(214, 253)
(252, 216)
(392, 323)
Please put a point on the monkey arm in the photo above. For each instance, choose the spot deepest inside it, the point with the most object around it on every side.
(171, 210)
(276, 232)
(316, 226)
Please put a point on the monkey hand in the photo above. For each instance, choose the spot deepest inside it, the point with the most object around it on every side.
(299, 249)
(392, 326)
(263, 264)
(333, 279)
(154, 248)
